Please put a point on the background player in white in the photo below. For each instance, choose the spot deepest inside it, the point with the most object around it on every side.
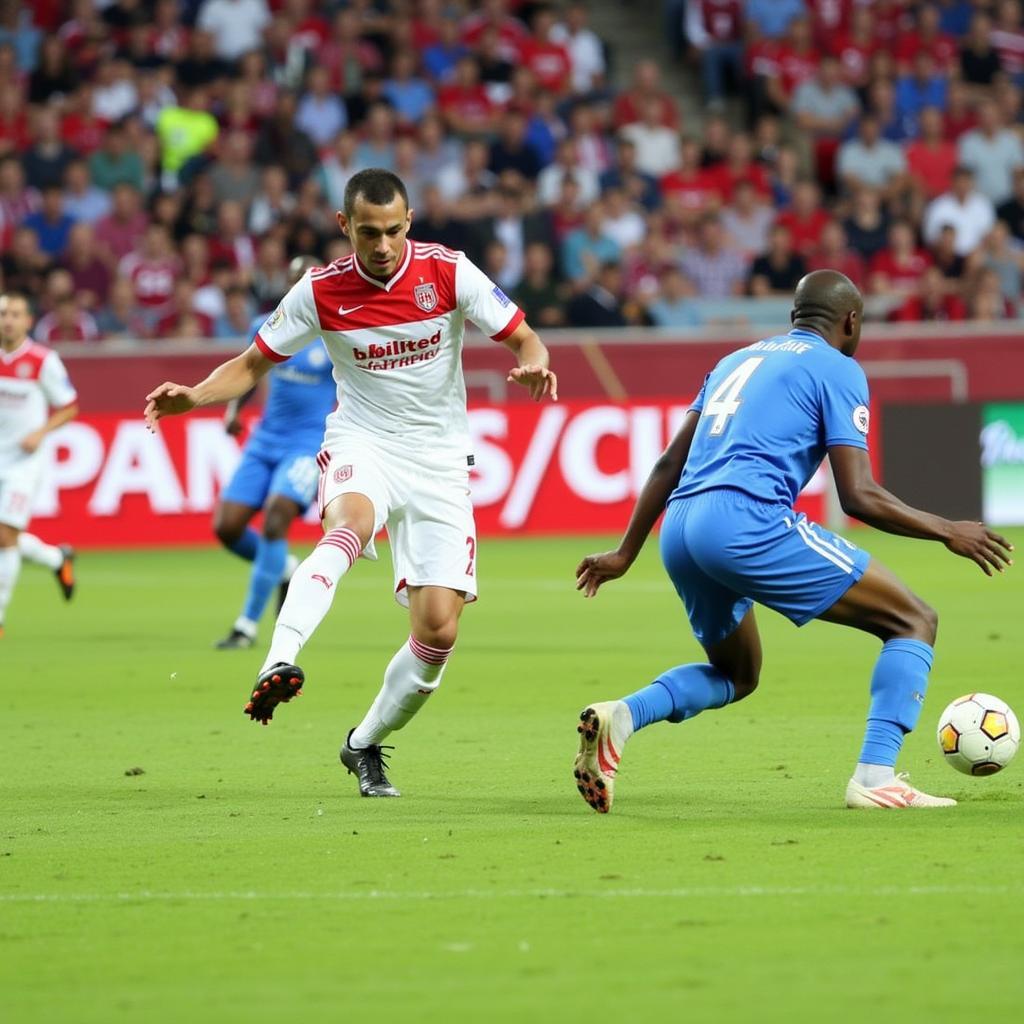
(396, 452)
(36, 398)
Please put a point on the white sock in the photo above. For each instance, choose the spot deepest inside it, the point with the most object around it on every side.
(310, 594)
(246, 626)
(413, 675)
(291, 563)
(10, 565)
(873, 775)
(34, 550)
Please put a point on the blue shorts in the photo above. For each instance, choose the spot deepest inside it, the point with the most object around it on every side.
(724, 550)
(292, 473)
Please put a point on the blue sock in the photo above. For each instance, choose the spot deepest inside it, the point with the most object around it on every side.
(898, 686)
(246, 545)
(267, 570)
(680, 693)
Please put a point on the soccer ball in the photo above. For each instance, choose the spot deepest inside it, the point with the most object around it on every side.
(978, 734)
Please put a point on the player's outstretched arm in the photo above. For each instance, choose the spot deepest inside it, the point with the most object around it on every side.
(533, 370)
(230, 380)
(610, 565)
(867, 500)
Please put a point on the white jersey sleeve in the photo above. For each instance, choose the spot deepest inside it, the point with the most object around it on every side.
(293, 325)
(484, 302)
(55, 383)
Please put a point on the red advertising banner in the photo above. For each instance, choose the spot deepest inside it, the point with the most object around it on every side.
(566, 468)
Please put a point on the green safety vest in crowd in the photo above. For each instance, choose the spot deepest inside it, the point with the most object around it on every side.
(184, 133)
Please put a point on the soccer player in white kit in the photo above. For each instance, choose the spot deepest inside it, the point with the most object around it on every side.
(397, 450)
(36, 397)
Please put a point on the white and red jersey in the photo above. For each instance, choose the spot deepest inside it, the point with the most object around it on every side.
(396, 345)
(152, 280)
(32, 382)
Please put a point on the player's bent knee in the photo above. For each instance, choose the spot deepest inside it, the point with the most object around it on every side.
(441, 634)
(226, 532)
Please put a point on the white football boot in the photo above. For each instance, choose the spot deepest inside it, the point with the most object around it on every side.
(897, 794)
(604, 729)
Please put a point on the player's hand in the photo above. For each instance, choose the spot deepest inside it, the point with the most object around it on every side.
(538, 379)
(978, 543)
(30, 442)
(168, 400)
(597, 569)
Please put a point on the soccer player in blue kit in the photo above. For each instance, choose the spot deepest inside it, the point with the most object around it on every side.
(278, 473)
(759, 428)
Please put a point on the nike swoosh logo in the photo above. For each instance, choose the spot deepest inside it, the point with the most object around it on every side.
(342, 311)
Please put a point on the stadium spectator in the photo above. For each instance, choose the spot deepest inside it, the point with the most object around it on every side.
(833, 253)
(464, 103)
(1007, 37)
(90, 273)
(24, 264)
(855, 47)
(236, 25)
(922, 87)
(231, 241)
(468, 184)
(871, 160)
(673, 304)
(988, 302)
(280, 141)
(233, 176)
(772, 18)
(337, 167)
(17, 198)
(657, 147)
(805, 218)
(824, 108)
(931, 157)
(55, 76)
(586, 51)
(970, 213)
(632, 104)
(993, 152)
(51, 222)
(600, 303)
(185, 131)
(544, 55)
(897, 270)
(120, 317)
(624, 224)
(795, 61)
(233, 324)
(867, 226)
(439, 59)
(320, 113)
(435, 151)
(777, 270)
(1012, 211)
(549, 181)
(959, 111)
(273, 204)
(739, 165)
(114, 94)
(587, 248)
(511, 151)
(714, 28)
(46, 160)
(66, 323)
(83, 201)
(932, 302)
(179, 318)
(641, 188)
(1003, 255)
(115, 162)
(926, 36)
(434, 221)
(716, 270)
(979, 60)
(516, 226)
(747, 220)
(947, 259)
(588, 131)
(152, 271)
(201, 67)
(494, 15)
(538, 294)
(411, 96)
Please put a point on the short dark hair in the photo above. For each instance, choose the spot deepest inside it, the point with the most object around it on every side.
(376, 186)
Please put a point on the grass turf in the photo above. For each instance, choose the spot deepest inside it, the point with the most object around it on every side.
(240, 877)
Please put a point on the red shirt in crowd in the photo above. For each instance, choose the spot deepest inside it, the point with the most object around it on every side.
(796, 66)
(722, 19)
(806, 231)
(932, 165)
(511, 35)
(726, 177)
(905, 274)
(152, 280)
(549, 63)
(1010, 47)
(627, 110)
(694, 190)
(471, 104)
(854, 55)
(83, 132)
(829, 18)
(851, 263)
(943, 49)
(951, 308)
(49, 330)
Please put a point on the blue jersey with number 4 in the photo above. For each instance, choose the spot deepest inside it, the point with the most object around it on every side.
(301, 396)
(769, 413)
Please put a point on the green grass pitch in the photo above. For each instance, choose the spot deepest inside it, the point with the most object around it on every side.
(240, 877)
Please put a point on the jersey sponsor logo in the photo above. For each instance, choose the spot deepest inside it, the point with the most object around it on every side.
(342, 473)
(500, 296)
(398, 354)
(861, 418)
(275, 319)
(342, 311)
(425, 296)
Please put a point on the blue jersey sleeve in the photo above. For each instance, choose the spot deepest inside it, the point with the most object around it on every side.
(844, 405)
(697, 405)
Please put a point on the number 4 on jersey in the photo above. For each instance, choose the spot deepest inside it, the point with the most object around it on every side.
(726, 399)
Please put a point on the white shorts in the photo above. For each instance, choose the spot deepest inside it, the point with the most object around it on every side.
(425, 507)
(18, 485)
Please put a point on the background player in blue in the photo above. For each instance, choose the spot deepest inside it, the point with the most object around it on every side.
(756, 433)
(277, 473)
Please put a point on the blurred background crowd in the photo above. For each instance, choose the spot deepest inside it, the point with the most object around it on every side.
(162, 160)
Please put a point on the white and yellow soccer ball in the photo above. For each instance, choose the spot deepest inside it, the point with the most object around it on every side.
(978, 734)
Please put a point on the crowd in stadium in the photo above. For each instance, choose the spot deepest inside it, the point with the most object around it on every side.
(162, 160)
